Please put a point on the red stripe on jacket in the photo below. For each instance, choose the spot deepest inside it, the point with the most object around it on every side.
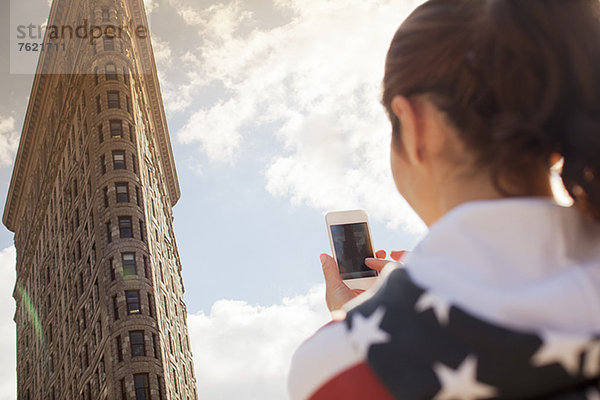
(358, 382)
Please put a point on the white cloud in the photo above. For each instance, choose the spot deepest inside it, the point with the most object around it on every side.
(175, 97)
(314, 82)
(243, 351)
(8, 377)
(150, 6)
(219, 21)
(162, 52)
(9, 140)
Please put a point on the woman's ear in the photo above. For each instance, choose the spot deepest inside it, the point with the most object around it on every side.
(410, 138)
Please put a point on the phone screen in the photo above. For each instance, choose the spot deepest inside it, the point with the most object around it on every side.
(352, 245)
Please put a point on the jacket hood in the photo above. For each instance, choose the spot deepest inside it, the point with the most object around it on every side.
(526, 264)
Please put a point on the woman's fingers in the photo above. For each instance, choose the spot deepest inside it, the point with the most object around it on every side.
(330, 270)
(394, 255)
(376, 263)
(397, 255)
(336, 292)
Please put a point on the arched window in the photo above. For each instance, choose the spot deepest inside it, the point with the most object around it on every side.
(111, 72)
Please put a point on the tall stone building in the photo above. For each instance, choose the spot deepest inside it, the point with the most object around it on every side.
(99, 294)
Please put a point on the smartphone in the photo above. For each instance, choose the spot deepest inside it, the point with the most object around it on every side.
(350, 240)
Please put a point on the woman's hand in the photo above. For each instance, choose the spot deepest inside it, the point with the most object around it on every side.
(336, 292)
(378, 263)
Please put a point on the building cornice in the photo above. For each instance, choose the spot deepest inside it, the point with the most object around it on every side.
(160, 119)
(39, 94)
(23, 159)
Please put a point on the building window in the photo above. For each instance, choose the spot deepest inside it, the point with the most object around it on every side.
(108, 232)
(142, 388)
(133, 302)
(114, 100)
(146, 266)
(123, 390)
(111, 72)
(126, 76)
(150, 306)
(100, 338)
(116, 128)
(119, 159)
(83, 319)
(115, 307)
(141, 223)
(175, 381)
(100, 134)
(138, 347)
(166, 306)
(86, 356)
(131, 133)
(134, 164)
(122, 189)
(125, 228)
(127, 104)
(98, 105)
(138, 199)
(103, 164)
(109, 44)
(105, 15)
(111, 266)
(119, 348)
(105, 191)
(129, 267)
(154, 346)
(96, 79)
(102, 368)
(160, 387)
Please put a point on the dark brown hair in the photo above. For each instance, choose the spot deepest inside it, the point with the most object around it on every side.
(520, 80)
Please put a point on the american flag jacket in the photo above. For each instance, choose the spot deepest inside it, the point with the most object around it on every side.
(408, 341)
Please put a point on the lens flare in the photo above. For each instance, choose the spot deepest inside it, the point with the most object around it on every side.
(31, 312)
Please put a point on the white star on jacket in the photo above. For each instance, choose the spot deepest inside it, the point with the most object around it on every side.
(440, 306)
(366, 332)
(563, 349)
(461, 383)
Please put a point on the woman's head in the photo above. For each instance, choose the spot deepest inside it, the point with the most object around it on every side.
(516, 80)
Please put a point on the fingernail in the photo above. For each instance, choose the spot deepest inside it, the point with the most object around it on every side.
(323, 258)
(371, 259)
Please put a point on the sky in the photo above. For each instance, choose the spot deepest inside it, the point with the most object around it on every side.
(274, 115)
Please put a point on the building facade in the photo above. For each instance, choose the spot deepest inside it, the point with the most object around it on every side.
(99, 294)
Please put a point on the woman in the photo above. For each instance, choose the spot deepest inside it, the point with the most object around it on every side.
(502, 297)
